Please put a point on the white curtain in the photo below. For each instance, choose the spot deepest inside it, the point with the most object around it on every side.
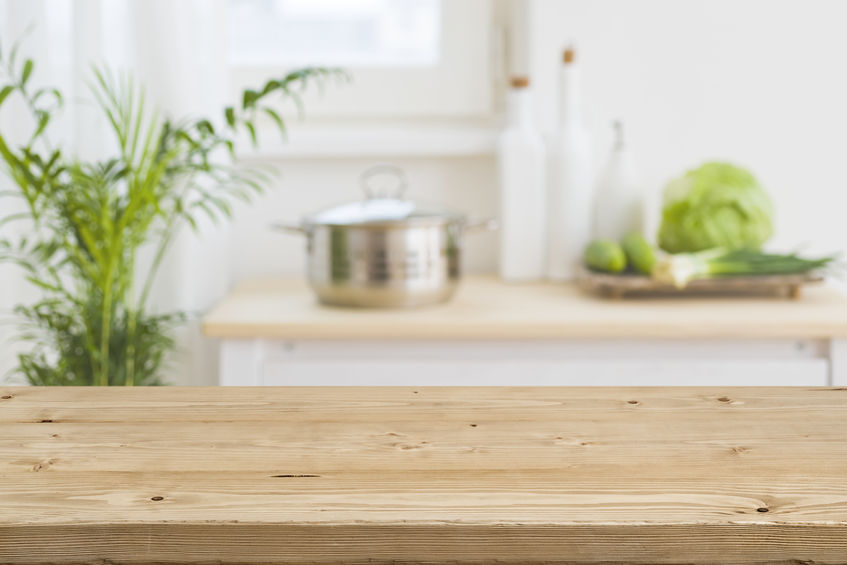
(178, 50)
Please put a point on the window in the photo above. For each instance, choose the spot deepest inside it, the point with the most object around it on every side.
(364, 33)
(408, 58)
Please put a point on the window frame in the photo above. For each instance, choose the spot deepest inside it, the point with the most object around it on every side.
(459, 86)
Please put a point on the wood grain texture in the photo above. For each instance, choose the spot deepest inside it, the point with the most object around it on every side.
(485, 308)
(631, 284)
(412, 475)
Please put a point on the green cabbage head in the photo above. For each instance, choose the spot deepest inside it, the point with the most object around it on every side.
(716, 205)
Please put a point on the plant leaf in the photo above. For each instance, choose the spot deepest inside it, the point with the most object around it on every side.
(277, 119)
(43, 120)
(5, 92)
(206, 127)
(27, 71)
(249, 98)
(252, 130)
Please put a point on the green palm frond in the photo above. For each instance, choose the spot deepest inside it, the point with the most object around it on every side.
(90, 218)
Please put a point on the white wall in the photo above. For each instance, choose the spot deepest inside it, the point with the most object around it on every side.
(758, 82)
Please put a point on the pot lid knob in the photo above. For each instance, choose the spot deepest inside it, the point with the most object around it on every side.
(393, 179)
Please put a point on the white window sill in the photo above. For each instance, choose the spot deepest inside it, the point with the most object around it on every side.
(381, 140)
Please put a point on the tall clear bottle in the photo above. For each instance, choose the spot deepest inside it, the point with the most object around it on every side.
(521, 171)
(571, 178)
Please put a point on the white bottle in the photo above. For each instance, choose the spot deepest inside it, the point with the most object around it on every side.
(521, 170)
(617, 204)
(571, 179)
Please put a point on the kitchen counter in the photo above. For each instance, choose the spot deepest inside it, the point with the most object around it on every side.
(485, 308)
(387, 475)
(274, 332)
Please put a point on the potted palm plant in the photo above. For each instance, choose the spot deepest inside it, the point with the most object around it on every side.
(87, 220)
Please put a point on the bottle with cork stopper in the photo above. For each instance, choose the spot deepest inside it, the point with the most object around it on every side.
(521, 176)
(571, 177)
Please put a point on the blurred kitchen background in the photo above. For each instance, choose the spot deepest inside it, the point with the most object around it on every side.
(760, 83)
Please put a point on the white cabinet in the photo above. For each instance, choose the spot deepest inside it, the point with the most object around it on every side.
(273, 332)
(545, 363)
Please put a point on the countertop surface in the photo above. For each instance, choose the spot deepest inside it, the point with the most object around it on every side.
(485, 308)
(373, 475)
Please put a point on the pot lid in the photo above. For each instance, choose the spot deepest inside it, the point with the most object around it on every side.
(380, 206)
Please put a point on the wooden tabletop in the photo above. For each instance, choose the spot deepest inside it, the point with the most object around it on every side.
(486, 308)
(374, 475)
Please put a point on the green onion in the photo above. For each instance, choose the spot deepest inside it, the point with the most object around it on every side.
(682, 268)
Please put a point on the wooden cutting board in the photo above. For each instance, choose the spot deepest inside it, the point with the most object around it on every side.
(412, 475)
(620, 286)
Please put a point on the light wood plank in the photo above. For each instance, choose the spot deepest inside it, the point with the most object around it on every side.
(627, 284)
(485, 308)
(356, 475)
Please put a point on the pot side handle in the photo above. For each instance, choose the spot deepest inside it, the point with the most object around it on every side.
(481, 224)
(289, 228)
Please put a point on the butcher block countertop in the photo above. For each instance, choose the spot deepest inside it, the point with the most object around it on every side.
(410, 475)
(485, 308)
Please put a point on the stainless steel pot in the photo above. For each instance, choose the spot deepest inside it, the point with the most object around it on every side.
(384, 251)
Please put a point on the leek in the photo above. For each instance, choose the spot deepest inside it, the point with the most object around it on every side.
(682, 268)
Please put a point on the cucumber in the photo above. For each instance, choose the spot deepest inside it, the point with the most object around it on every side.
(605, 255)
(639, 254)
